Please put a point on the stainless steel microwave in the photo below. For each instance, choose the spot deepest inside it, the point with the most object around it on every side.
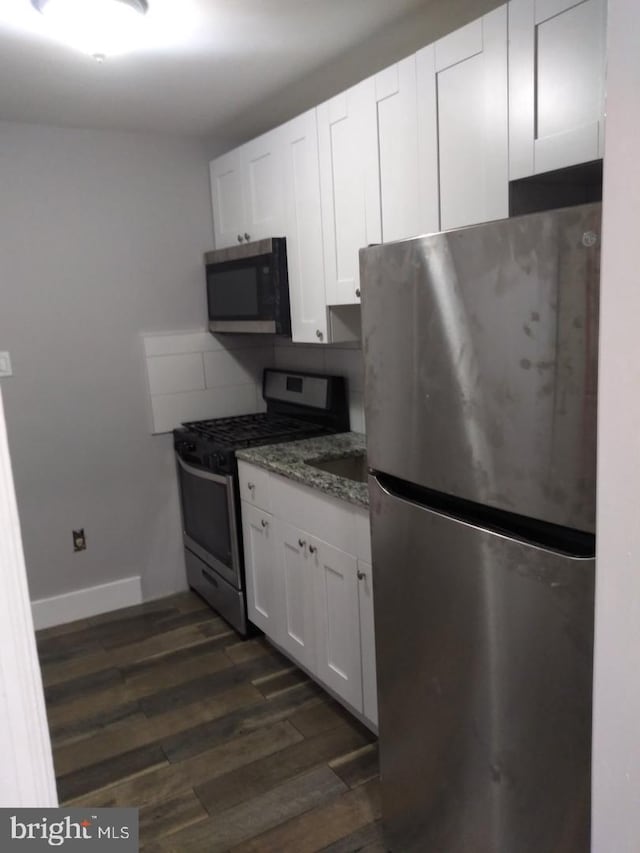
(248, 288)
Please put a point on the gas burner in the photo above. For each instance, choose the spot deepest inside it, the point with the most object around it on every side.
(247, 430)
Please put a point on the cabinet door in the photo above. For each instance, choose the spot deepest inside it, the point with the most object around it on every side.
(556, 84)
(338, 622)
(227, 200)
(471, 69)
(298, 634)
(303, 229)
(261, 570)
(367, 642)
(407, 146)
(262, 186)
(350, 187)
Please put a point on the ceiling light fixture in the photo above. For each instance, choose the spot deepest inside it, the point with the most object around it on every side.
(98, 27)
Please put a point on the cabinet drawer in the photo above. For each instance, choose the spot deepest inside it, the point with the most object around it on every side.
(326, 517)
(254, 485)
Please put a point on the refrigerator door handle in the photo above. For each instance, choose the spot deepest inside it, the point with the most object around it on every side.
(530, 531)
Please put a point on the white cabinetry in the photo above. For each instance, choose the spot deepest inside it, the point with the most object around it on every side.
(260, 569)
(408, 147)
(303, 229)
(556, 84)
(430, 142)
(337, 619)
(349, 181)
(471, 75)
(226, 196)
(246, 190)
(297, 629)
(308, 576)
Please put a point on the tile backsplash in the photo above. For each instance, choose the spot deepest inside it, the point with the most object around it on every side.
(193, 375)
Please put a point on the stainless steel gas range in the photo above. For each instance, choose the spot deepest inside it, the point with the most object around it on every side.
(299, 405)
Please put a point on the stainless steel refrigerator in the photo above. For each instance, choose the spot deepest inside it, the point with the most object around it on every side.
(481, 371)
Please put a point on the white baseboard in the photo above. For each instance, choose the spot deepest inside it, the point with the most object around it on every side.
(83, 603)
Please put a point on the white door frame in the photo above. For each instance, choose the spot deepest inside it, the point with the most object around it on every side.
(26, 764)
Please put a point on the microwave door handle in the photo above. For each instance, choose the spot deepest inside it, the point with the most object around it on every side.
(206, 475)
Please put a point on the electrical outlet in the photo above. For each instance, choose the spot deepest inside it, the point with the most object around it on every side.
(79, 540)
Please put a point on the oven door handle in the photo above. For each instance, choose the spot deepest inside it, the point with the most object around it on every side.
(200, 472)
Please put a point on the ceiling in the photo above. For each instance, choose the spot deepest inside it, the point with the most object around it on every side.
(205, 63)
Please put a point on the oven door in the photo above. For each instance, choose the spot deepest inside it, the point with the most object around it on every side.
(209, 520)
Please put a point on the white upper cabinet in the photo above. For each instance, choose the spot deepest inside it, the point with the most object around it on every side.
(408, 149)
(262, 186)
(247, 194)
(350, 187)
(303, 229)
(471, 78)
(556, 84)
(226, 196)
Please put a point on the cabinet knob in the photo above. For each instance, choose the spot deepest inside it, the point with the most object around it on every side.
(361, 575)
(358, 292)
(264, 522)
(251, 486)
(312, 549)
(239, 238)
(301, 543)
(319, 334)
(247, 237)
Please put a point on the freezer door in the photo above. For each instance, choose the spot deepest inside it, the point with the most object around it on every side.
(481, 362)
(484, 650)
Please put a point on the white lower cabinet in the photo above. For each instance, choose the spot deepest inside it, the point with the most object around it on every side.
(313, 597)
(337, 618)
(297, 635)
(260, 569)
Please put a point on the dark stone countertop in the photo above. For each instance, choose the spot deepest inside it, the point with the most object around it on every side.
(291, 459)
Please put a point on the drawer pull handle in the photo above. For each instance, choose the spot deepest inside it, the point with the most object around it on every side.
(239, 238)
(312, 549)
(361, 575)
(301, 543)
(251, 486)
(264, 522)
(247, 237)
(358, 293)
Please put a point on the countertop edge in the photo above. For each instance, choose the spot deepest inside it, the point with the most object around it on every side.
(289, 460)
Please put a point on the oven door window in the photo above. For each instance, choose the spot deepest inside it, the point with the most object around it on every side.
(205, 515)
(239, 290)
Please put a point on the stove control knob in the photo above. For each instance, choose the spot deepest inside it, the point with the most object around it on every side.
(187, 446)
(218, 460)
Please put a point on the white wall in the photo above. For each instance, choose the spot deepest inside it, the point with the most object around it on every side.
(616, 756)
(101, 237)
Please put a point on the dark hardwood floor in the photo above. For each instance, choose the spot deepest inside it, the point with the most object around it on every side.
(221, 743)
